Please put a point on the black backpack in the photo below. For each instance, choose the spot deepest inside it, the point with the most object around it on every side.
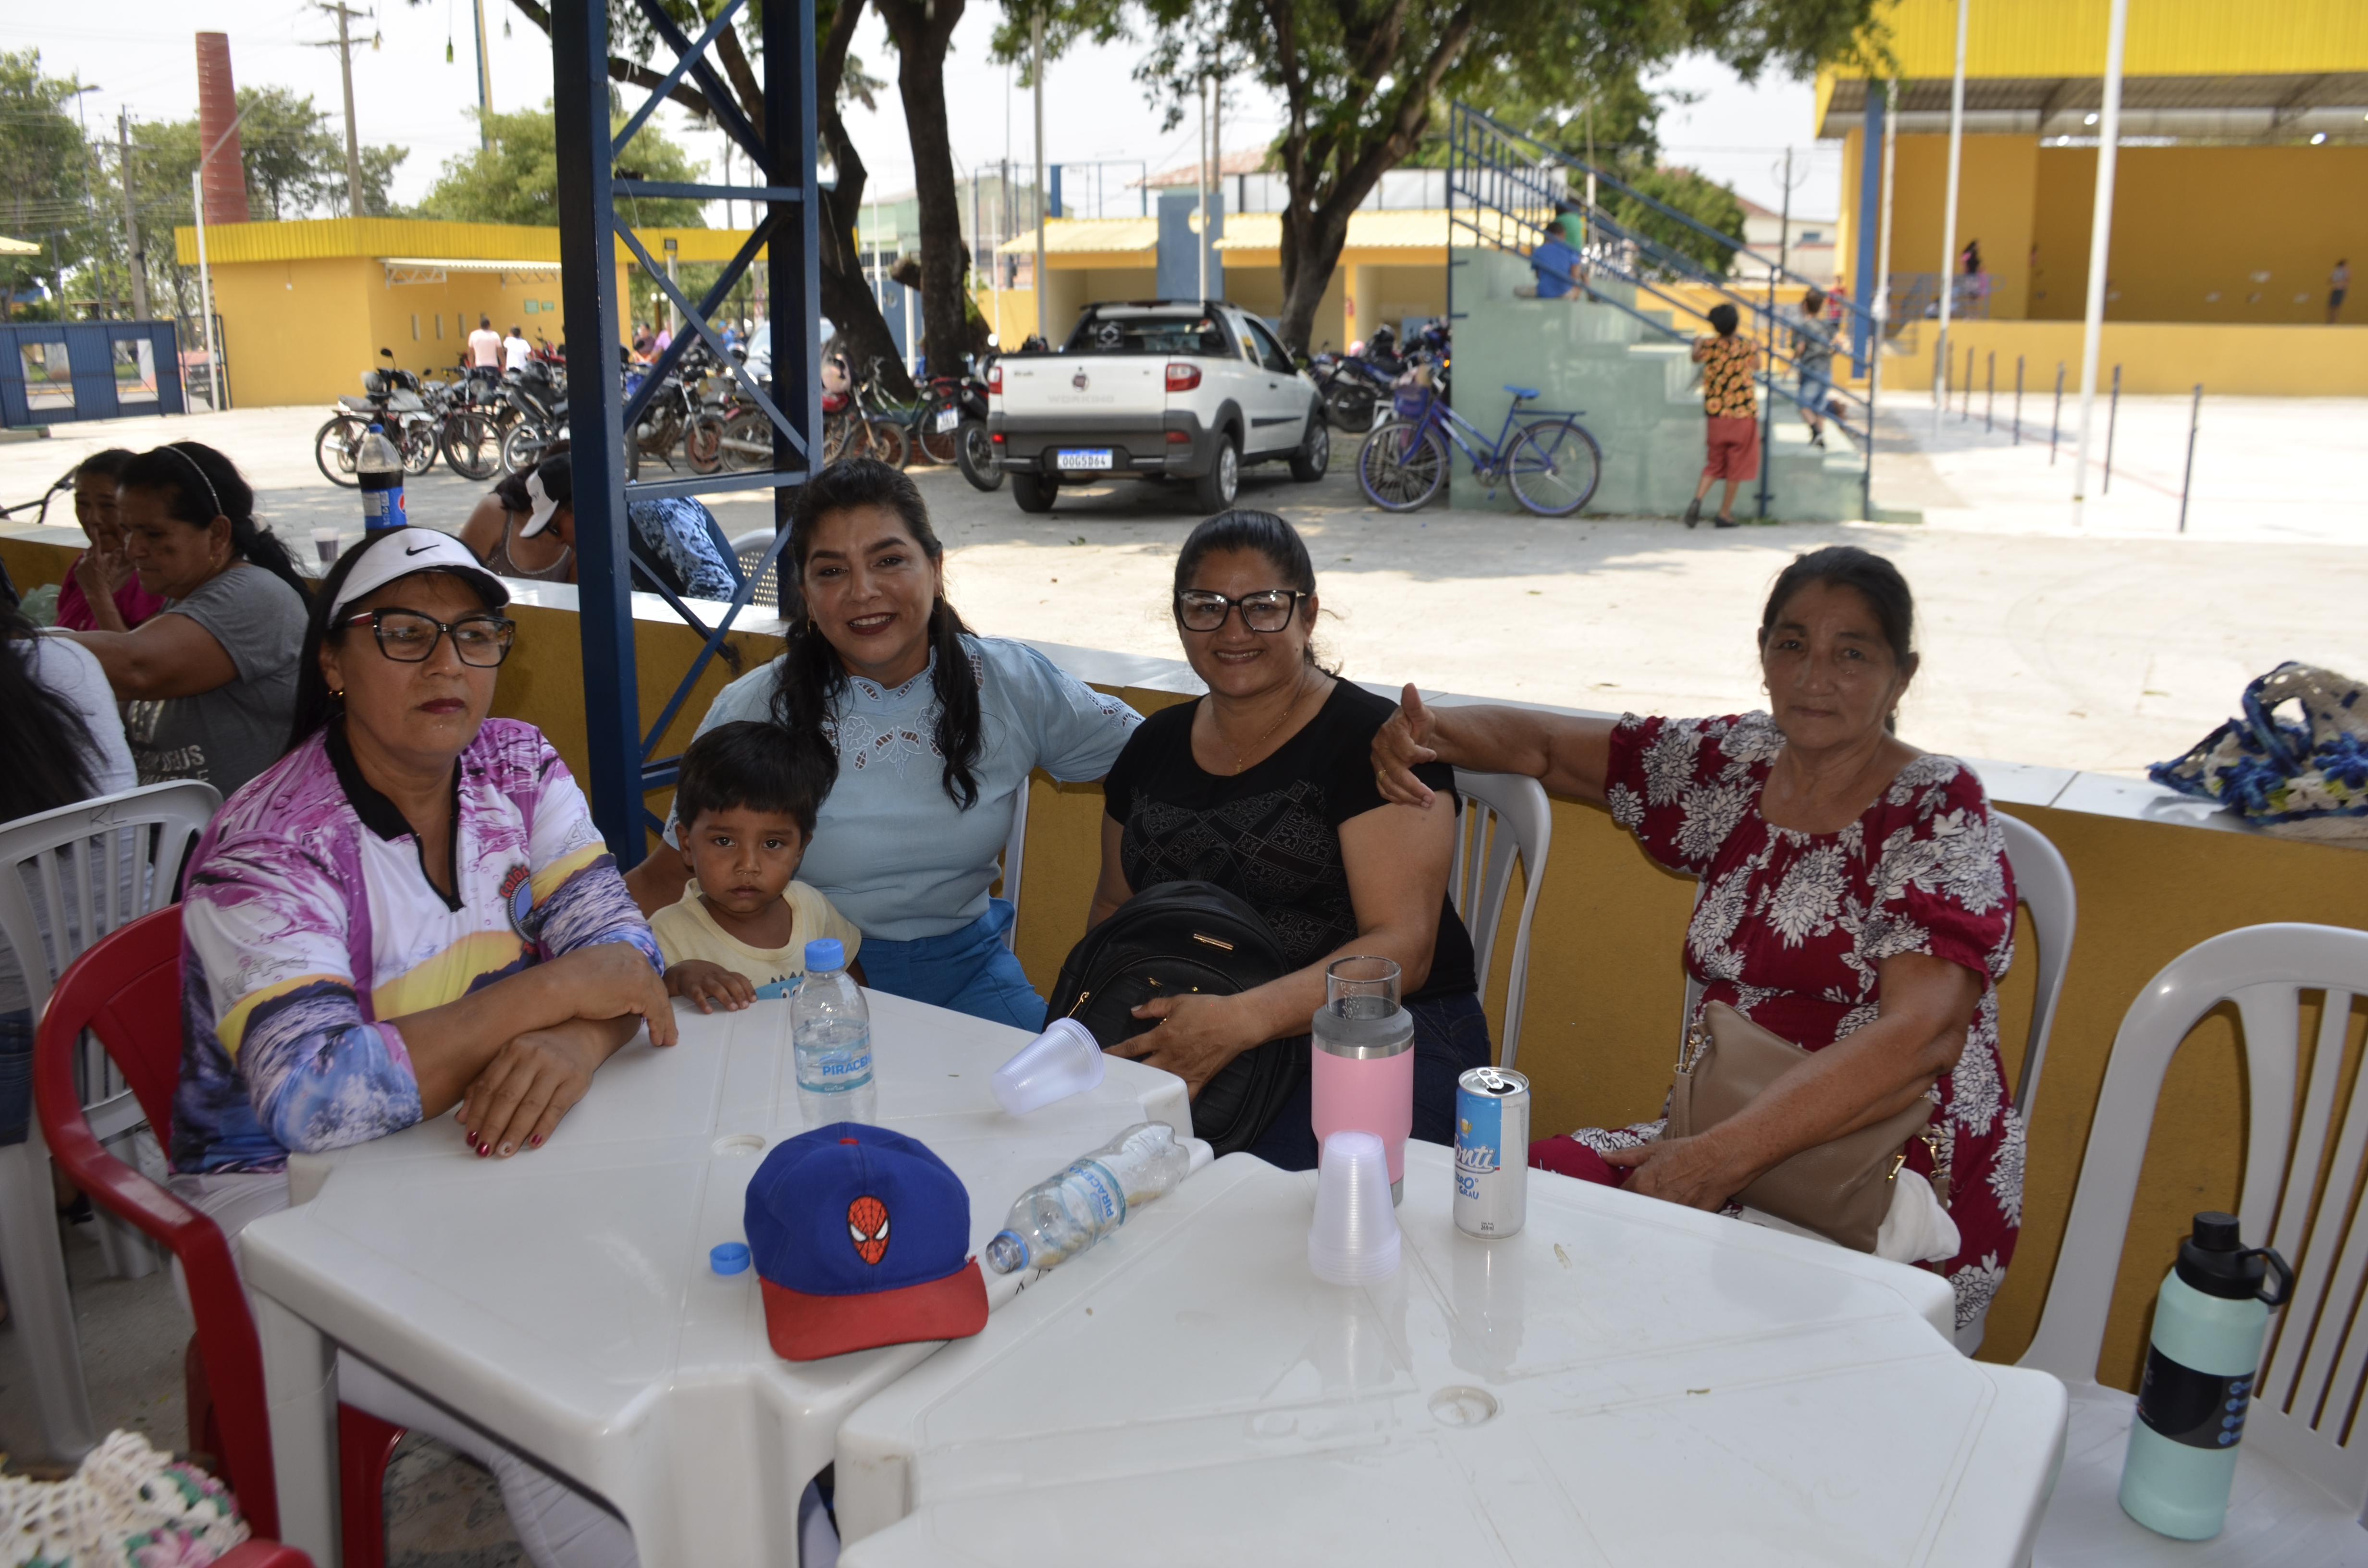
(1178, 938)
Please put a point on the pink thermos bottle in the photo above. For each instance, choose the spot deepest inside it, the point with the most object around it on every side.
(1362, 1061)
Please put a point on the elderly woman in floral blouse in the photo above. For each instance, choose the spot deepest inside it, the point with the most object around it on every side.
(1855, 899)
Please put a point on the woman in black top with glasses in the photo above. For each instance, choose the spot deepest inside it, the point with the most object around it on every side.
(1265, 787)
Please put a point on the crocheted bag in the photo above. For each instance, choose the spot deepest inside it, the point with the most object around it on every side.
(128, 1507)
(2306, 780)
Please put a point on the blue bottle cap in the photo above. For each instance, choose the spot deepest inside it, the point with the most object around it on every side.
(825, 952)
(730, 1258)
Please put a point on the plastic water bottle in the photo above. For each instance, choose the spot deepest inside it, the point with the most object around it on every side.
(2209, 1322)
(830, 1031)
(379, 464)
(1068, 1212)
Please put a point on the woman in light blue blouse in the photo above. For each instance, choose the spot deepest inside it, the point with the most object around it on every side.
(934, 731)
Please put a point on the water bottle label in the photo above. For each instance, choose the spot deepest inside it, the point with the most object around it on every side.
(1102, 1190)
(2201, 1410)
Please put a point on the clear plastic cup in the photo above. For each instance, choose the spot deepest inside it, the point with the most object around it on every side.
(1355, 1238)
(1064, 1059)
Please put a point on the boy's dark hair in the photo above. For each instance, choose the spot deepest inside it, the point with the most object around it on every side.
(755, 765)
(1724, 320)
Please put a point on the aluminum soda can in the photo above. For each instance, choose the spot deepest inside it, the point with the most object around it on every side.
(1492, 1152)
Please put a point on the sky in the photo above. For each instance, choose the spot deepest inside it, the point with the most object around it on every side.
(405, 93)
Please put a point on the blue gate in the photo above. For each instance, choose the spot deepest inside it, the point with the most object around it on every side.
(57, 372)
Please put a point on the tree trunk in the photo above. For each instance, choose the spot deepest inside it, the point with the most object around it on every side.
(922, 29)
(845, 294)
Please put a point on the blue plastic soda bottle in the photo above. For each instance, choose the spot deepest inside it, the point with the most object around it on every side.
(2209, 1322)
(378, 463)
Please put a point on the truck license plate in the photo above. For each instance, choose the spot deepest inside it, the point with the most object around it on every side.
(1097, 459)
(947, 419)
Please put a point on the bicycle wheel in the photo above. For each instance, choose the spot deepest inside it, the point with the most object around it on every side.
(418, 448)
(472, 447)
(334, 449)
(1554, 466)
(880, 439)
(1402, 466)
(747, 441)
(702, 444)
(942, 448)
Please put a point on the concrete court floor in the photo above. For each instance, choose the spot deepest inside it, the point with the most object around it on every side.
(2105, 643)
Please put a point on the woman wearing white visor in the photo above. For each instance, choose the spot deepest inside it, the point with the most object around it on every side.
(408, 915)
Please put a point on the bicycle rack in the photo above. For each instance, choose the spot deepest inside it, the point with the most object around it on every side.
(781, 154)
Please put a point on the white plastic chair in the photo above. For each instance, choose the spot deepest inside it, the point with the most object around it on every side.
(1506, 815)
(94, 866)
(749, 549)
(1015, 856)
(2302, 1472)
(2043, 881)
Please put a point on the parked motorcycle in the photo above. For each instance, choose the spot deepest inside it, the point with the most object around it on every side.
(392, 399)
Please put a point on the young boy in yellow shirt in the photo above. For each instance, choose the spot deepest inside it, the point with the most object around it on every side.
(745, 804)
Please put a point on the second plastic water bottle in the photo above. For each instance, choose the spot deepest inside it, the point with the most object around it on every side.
(1065, 1214)
(830, 1031)
(378, 463)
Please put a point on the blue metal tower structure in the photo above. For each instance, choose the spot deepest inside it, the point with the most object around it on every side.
(781, 151)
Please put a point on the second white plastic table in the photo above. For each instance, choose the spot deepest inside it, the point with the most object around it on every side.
(1624, 1383)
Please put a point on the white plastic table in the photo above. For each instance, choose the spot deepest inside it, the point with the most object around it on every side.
(1623, 1383)
(561, 1299)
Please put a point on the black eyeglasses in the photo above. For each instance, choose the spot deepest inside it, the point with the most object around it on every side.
(1270, 609)
(409, 637)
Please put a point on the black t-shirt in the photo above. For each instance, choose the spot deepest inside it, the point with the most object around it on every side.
(1271, 835)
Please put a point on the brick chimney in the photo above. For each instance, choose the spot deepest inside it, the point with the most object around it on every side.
(218, 112)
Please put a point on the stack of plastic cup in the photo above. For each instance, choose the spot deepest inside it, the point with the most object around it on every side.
(1064, 1059)
(1355, 1237)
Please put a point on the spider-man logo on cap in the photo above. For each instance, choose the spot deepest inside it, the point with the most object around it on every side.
(820, 1227)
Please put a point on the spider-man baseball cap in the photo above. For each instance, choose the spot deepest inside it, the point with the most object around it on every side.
(861, 1238)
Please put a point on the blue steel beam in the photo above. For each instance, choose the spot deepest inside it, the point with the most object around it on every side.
(784, 180)
(1868, 240)
(579, 70)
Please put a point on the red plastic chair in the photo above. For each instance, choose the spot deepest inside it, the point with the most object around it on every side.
(126, 990)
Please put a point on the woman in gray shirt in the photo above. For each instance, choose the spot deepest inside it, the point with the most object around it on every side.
(211, 679)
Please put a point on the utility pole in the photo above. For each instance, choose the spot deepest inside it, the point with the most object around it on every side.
(1949, 220)
(484, 88)
(1201, 189)
(131, 223)
(2100, 235)
(345, 48)
(1036, 67)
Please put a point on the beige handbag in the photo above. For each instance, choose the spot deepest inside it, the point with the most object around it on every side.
(1840, 1189)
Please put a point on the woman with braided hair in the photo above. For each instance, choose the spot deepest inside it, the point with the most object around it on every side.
(211, 678)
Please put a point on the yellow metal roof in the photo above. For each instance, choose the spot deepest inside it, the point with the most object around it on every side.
(1413, 229)
(2167, 38)
(321, 239)
(1087, 236)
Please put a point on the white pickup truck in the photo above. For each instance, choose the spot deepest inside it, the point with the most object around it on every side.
(1174, 388)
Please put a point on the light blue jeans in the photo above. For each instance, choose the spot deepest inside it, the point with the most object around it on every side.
(969, 971)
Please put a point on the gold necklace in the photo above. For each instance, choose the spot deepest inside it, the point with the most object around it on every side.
(1297, 691)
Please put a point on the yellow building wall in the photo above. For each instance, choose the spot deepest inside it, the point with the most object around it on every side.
(1996, 185)
(2194, 222)
(1605, 987)
(2154, 357)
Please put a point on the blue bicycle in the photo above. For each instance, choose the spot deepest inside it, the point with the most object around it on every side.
(1551, 463)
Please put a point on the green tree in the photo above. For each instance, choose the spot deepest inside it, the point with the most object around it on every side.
(1361, 80)
(46, 186)
(847, 294)
(1617, 124)
(515, 178)
(1705, 200)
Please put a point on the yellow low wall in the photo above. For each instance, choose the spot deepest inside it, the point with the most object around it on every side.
(1605, 988)
(2154, 357)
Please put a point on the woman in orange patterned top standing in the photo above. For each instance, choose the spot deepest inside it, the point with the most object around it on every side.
(1732, 428)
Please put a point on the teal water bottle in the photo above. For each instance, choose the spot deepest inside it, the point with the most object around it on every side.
(2209, 1322)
